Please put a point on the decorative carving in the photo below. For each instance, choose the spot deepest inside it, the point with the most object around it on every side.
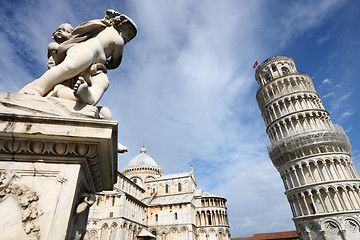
(26, 198)
(351, 226)
(48, 148)
(93, 233)
(60, 178)
(331, 228)
(314, 230)
(89, 200)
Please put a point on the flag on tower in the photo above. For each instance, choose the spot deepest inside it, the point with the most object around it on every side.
(255, 64)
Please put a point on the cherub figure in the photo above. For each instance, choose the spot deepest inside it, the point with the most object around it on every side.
(61, 34)
(64, 89)
(94, 47)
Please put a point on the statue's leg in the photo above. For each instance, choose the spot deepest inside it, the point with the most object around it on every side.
(82, 92)
(91, 93)
(99, 84)
(64, 92)
(75, 63)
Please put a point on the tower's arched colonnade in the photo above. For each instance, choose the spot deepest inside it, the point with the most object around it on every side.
(312, 155)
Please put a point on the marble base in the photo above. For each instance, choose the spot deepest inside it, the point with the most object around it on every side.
(49, 164)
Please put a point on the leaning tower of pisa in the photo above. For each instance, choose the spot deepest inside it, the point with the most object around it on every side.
(312, 155)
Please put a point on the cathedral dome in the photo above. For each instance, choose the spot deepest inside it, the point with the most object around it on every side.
(141, 168)
(142, 159)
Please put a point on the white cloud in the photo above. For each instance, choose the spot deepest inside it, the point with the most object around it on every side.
(320, 41)
(326, 81)
(346, 114)
(185, 89)
(302, 16)
(328, 95)
(345, 96)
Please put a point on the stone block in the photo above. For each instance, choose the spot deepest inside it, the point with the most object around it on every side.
(53, 157)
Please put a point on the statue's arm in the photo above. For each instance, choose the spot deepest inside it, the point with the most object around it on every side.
(51, 50)
(116, 56)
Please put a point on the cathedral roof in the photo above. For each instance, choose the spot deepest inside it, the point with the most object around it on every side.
(142, 159)
(172, 176)
(145, 233)
(174, 199)
(203, 194)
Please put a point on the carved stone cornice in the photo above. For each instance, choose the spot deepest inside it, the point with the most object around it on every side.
(62, 140)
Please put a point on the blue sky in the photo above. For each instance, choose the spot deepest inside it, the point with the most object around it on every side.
(186, 86)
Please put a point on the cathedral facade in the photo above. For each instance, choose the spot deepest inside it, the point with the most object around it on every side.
(145, 204)
(312, 155)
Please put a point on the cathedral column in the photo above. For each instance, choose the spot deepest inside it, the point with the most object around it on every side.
(198, 219)
(214, 218)
(204, 217)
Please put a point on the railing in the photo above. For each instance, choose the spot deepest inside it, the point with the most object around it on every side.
(290, 147)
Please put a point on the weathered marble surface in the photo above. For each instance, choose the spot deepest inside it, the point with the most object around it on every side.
(52, 159)
(24, 104)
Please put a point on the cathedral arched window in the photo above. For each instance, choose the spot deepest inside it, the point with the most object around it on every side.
(175, 216)
(179, 187)
(166, 188)
(156, 217)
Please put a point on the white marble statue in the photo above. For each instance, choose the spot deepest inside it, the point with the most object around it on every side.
(91, 49)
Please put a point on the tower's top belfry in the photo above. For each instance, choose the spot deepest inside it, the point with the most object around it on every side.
(273, 68)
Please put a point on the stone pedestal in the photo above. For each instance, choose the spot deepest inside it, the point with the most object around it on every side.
(49, 163)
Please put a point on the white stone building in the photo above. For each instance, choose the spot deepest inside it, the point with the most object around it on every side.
(148, 205)
(312, 155)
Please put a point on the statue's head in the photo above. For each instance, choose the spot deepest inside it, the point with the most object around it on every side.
(62, 33)
(125, 25)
